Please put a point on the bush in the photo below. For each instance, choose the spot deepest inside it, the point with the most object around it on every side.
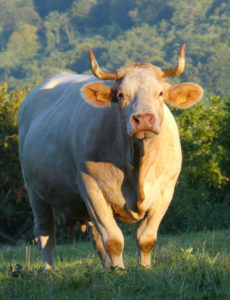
(15, 217)
(201, 199)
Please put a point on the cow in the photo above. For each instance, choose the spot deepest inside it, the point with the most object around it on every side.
(103, 147)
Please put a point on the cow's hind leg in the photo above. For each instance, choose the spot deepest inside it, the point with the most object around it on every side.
(44, 228)
(98, 245)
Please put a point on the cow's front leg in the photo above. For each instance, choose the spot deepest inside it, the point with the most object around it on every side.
(98, 245)
(147, 232)
(102, 216)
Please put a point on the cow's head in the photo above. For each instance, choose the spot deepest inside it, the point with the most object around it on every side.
(140, 91)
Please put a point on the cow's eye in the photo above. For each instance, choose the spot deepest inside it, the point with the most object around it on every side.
(161, 94)
(120, 96)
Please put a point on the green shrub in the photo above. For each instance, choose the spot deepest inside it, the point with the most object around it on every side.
(201, 199)
(15, 215)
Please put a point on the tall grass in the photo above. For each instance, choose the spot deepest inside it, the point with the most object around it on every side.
(189, 266)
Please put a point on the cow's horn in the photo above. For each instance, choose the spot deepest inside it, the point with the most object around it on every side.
(97, 71)
(179, 68)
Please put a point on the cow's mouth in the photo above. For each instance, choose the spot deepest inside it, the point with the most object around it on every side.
(144, 134)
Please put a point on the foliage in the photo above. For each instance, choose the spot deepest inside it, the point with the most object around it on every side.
(15, 213)
(201, 198)
(189, 266)
(40, 37)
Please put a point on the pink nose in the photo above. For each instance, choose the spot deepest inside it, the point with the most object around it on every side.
(143, 120)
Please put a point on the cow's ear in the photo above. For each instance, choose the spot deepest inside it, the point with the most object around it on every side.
(97, 93)
(183, 95)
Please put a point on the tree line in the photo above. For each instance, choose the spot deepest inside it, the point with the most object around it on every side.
(40, 37)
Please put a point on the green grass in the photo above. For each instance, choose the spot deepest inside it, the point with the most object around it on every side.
(189, 266)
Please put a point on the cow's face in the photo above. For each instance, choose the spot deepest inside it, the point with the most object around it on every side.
(140, 96)
(140, 92)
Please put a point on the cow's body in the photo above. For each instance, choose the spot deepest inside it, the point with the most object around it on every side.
(78, 158)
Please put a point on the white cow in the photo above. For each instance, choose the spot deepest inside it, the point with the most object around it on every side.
(95, 151)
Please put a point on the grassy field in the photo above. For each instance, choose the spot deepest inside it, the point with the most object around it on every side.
(189, 266)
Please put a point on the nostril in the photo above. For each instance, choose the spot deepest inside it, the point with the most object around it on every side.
(136, 120)
(152, 119)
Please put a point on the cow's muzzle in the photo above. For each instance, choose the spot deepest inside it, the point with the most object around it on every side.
(143, 125)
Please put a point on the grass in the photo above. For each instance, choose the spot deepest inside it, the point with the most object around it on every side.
(189, 266)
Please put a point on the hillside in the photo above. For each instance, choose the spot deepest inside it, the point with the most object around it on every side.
(40, 37)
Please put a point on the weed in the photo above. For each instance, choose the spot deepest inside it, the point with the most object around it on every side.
(16, 270)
